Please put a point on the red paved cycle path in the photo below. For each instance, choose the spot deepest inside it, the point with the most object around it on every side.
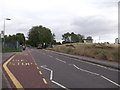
(25, 70)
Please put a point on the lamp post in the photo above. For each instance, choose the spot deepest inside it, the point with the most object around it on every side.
(4, 31)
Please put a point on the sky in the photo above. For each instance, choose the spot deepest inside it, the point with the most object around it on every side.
(96, 18)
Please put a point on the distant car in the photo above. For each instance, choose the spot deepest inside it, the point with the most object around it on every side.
(39, 46)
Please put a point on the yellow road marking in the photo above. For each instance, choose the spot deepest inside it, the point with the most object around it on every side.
(37, 67)
(25, 63)
(9, 63)
(28, 64)
(12, 77)
(40, 72)
(18, 63)
(13, 64)
(44, 81)
(22, 63)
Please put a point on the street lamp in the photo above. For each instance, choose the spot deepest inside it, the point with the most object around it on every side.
(4, 30)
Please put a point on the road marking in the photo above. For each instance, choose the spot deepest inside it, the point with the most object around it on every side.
(40, 72)
(51, 77)
(60, 60)
(26, 64)
(85, 70)
(22, 63)
(58, 84)
(44, 81)
(9, 63)
(18, 63)
(110, 81)
(37, 67)
(96, 75)
(30, 63)
(50, 56)
(108, 68)
(12, 77)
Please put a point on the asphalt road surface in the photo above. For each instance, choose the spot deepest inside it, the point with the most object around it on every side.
(65, 72)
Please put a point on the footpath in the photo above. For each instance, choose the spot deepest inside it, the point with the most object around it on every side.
(22, 71)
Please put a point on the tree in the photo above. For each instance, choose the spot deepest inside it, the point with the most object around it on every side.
(72, 37)
(89, 38)
(16, 37)
(66, 37)
(81, 38)
(40, 34)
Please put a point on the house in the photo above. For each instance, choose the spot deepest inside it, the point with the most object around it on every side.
(88, 40)
(117, 41)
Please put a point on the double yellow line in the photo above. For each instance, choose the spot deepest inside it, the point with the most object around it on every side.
(12, 77)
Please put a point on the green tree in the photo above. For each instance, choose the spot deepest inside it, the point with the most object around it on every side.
(18, 37)
(72, 37)
(40, 34)
(81, 38)
(89, 38)
(66, 37)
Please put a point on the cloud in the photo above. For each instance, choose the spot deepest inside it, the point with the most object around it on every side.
(87, 17)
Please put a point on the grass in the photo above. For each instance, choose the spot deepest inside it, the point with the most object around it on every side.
(98, 51)
(11, 49)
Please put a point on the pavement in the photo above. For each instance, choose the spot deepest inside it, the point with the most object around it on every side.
(66, 72)
(22, 71)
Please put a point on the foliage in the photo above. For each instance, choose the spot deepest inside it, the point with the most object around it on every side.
(40, 34)
(11, 49)
(72, 38)
(18, 37)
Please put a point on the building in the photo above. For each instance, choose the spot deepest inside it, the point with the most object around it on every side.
(88, 40)
(117, 41)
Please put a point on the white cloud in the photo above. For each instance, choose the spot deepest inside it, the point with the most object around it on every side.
(88, 17)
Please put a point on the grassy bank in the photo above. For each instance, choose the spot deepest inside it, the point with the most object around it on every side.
(9, 49)
(98, 51)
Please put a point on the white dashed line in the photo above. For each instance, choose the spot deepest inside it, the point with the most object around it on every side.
(60, 60)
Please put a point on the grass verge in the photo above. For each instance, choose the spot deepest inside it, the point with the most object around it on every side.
(10, 49)
(99, 51)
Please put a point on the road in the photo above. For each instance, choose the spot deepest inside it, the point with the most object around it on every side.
(22, 71)
(65, 72)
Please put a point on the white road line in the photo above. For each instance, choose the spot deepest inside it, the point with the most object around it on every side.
(58, 84)
(90, 63)
(96, 75)
(60, 60)
(110, 81)
(50, 56)
(108, 68)
(51, 77)
(85, 70)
